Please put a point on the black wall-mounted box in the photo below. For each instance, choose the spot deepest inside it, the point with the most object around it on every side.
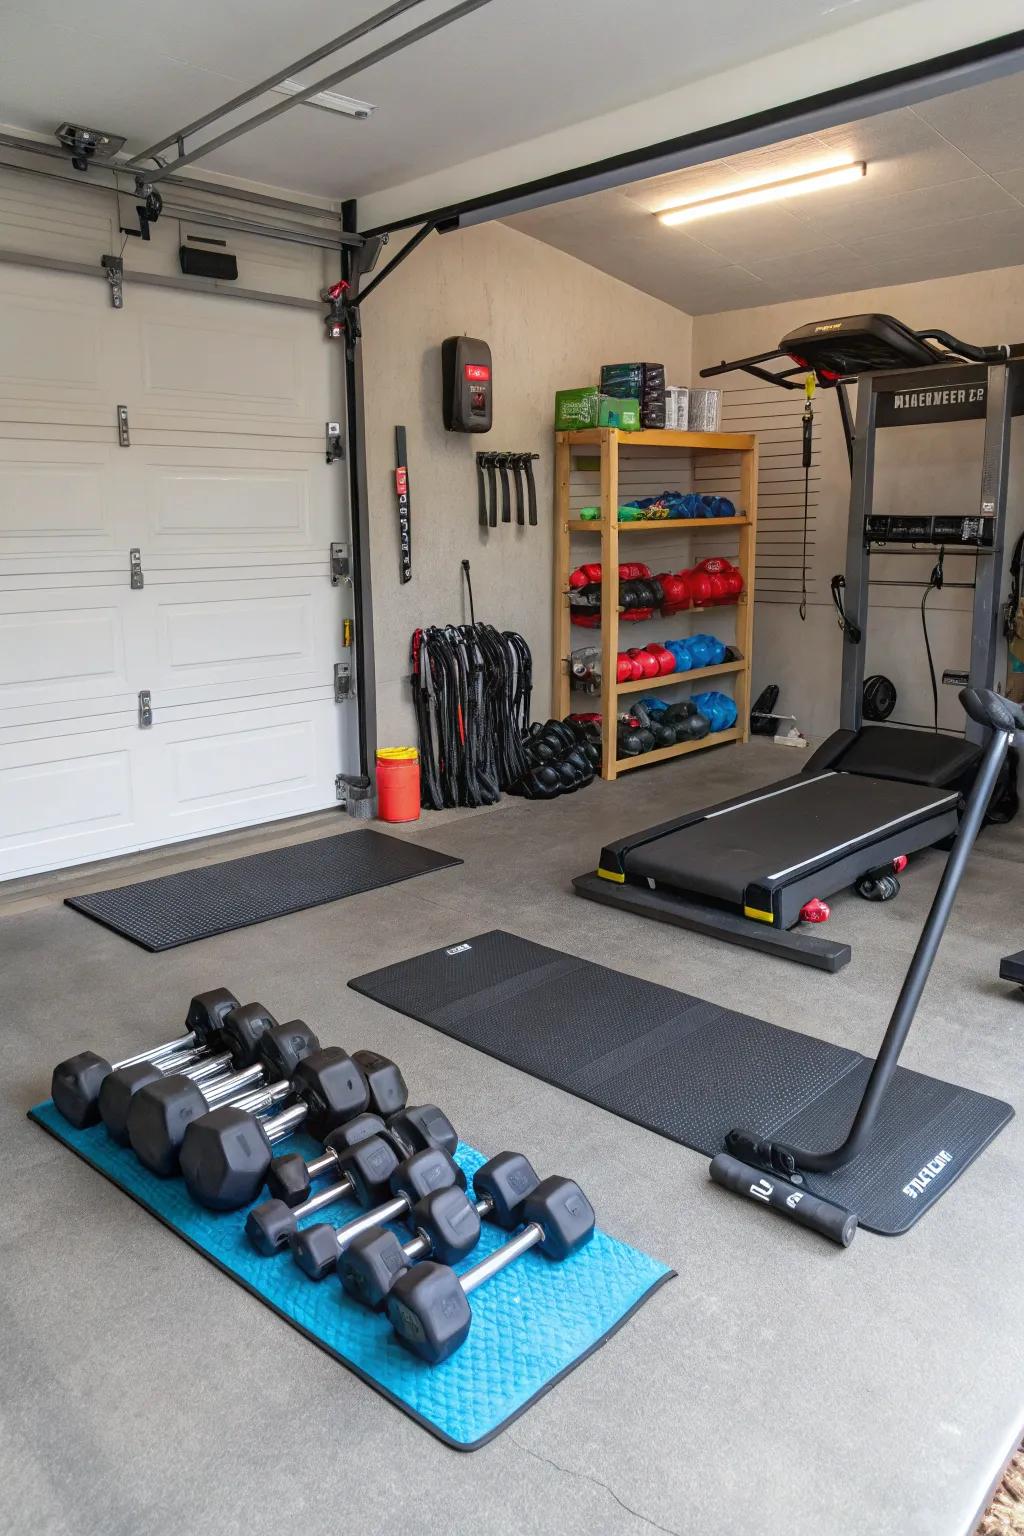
(196, 262)
(466, 383)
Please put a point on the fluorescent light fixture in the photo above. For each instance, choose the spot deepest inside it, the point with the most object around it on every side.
(793, 185)
(329, 100)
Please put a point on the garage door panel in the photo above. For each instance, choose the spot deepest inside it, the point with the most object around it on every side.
(48, 496)
(230, 367)
(61, 645)
(229, 637)
(218, 507)
(260, 764)
(49, 349)
(76, 226)
(65, 800)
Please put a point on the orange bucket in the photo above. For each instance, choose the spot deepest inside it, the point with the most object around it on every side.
(398, 784)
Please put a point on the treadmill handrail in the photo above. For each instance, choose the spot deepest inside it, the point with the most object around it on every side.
(790, 1160)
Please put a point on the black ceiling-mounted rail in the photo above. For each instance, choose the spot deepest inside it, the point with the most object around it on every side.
(878, 93)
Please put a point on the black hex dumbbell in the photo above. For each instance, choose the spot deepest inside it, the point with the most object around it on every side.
(428, 1306)
(76, 1082)
(226, 1154)
(241, 1031)
(446, 1226)
(364, 1176)
(290, 1177)
(161, 1112)
(316, 1249)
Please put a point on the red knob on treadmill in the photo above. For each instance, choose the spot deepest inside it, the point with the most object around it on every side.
(815, 911)
(899, 863)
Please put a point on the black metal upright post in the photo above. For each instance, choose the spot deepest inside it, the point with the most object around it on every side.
(995, 472)
(366, 681)
(851, 696)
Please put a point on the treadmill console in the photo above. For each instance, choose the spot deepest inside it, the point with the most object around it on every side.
(970, 531)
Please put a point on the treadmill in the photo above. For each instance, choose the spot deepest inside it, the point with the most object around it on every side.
(743, 870)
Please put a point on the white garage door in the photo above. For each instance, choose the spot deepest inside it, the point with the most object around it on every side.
(225, 492)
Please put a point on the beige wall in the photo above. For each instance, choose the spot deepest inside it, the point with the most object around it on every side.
(550, 321)
(919, 469)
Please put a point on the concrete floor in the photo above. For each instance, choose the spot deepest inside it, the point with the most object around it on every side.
(778, 1387)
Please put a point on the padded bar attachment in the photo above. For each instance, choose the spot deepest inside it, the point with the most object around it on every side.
(807, 1210)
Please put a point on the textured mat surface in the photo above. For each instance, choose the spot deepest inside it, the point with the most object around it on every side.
(691, 1070)
(197, 903)
(532, 1324)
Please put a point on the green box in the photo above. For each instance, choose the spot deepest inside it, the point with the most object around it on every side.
(613, 412)
(576, 408)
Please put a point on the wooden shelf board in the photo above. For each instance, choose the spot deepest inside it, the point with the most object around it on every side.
(681, 748)
(644, 684)
(666, 524)
(661, 437)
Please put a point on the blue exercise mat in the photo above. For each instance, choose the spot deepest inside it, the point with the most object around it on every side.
(531, 1324)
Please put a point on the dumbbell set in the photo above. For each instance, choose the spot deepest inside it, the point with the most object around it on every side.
(213, 1103)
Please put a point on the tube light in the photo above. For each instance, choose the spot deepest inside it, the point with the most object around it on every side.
(331, 101)
(766, 192)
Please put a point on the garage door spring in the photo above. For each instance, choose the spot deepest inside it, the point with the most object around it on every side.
(472, 689)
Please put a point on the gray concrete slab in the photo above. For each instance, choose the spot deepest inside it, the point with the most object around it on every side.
(777, 1387)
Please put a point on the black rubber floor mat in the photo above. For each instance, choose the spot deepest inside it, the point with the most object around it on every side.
(198, 903)
(693, 1071)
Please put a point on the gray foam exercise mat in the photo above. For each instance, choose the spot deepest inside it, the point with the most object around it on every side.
(691, 1070)
(216, 898)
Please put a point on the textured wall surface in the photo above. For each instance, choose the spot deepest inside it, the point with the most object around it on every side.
(924, 470)
(550, 321)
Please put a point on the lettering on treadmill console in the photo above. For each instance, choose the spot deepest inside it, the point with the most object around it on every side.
(940, 402)
(931, 1170)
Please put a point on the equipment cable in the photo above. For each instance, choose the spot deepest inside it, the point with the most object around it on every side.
(934, 585)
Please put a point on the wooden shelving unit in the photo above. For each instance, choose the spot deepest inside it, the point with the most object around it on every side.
(739, 449)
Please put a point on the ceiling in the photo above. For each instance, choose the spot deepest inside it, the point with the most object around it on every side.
(943, 194)
(508, 73)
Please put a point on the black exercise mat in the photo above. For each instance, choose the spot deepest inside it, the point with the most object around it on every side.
(693, 1071)
(197, 903)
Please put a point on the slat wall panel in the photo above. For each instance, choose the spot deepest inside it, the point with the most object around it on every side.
(775, 416)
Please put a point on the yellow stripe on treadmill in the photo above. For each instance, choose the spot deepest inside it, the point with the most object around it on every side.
(761, 917)
(611, 874)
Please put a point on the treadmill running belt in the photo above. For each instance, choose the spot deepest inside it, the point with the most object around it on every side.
(775, 832)
(693, 1071)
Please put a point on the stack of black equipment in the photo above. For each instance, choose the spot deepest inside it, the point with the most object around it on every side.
(471, 687)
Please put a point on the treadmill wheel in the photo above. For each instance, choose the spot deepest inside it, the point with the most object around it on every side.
(877, 885)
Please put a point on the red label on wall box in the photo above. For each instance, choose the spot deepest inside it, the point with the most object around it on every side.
(477, 373)
(401, 481)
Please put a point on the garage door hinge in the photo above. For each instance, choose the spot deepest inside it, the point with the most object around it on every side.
(340, 570)
(335, 446)
(122, 427)
(136, 579)
(145, 709)
(343, 685)
(114, 268)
